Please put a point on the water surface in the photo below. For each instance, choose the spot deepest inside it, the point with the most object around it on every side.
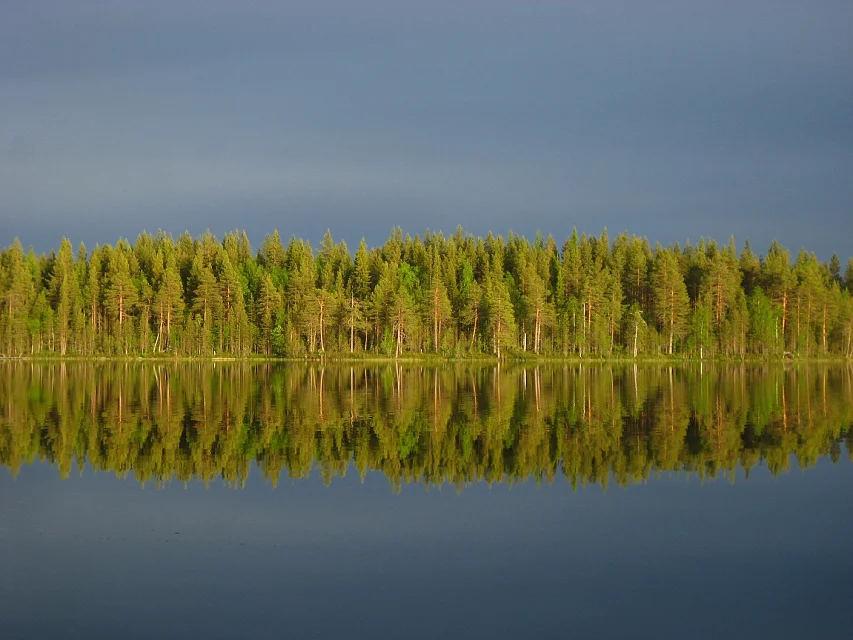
(235, 500)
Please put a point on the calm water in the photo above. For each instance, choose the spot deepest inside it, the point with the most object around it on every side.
(285, 501)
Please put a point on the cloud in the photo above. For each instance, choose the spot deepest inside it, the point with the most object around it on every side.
(671, 120)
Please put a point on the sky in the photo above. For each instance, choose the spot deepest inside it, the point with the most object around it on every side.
(670, 120)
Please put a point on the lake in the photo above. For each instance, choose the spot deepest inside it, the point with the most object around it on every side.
(225, 500)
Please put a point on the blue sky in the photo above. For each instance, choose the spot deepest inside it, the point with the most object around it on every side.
(671, 120)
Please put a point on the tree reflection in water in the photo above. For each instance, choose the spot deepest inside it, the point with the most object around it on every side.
(434, 425)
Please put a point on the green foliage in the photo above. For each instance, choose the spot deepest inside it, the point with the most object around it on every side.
(456, 295)
(670, 296)
(764, 322)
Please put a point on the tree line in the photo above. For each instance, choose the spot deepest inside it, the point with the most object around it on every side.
(433, 425)
(455, 296)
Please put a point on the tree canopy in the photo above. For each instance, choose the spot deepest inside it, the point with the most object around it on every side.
(454, 296)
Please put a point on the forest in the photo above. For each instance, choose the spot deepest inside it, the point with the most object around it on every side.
(460, 424)
(454, 296)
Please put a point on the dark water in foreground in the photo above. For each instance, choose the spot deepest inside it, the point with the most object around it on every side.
(281, 501)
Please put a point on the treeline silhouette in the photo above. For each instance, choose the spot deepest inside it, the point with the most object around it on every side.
(433, 425)
(454, 296)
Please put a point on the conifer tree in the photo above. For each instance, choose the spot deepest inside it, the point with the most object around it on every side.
(268, 305)
(499, 309)
(779, 281)
(121, 294)
(670, 296)
(64, 294)
(94, 277)
(848, 276)
(169, 302)
(207, 300)
(17, 297)
(417, 295)
(234, 311)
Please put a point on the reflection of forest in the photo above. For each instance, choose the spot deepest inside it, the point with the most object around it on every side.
(434, 425)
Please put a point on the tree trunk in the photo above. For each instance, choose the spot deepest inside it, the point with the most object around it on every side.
(808, 325)
(671, 318)
(435, 319)
(498, 339)
(159, 330)
(399, 332)
(352, 324)
(636, 332)
(797, 337)
(322, 336)
(537, 333)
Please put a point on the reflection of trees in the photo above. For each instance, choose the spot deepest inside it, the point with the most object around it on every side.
(456, 425)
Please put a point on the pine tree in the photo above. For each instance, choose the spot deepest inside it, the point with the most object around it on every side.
(835, 268)
(499, 309)
(94, 277)
(720, 284)
(121, 294)
(169, 303)
(440, 310)
(412, 295)
(40, 324)
(670, 297)
(763, 323)
(404, 306)
(83, 339)
(612, 307)
(64, 294)
(809, 300)
(232, 296)
(207, 301)
(144, 302)
(779, 281)
(17, 287)
(533, 296)
(300, 301)
(268, 305)
(750, 269)
(848, 276)
(271, 254)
